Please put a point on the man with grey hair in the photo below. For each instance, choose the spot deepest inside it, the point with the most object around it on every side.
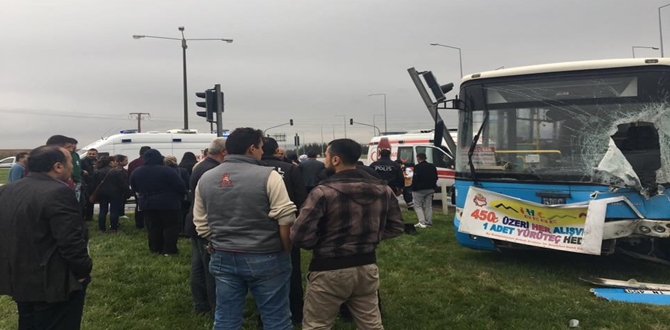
(202, 283)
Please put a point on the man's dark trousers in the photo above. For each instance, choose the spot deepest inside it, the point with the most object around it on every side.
(64, 315)
(296, 298)
(203, 286)
(162, 230)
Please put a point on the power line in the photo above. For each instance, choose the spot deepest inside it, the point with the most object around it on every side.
(139, 116)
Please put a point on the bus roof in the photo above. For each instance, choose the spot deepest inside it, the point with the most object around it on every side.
(567, 66)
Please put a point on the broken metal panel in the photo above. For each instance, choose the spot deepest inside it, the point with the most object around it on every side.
(652, 297)
(637, 227)
(631, 283)
(619, 228)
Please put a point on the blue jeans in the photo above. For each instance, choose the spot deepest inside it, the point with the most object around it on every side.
(265, 275)
(113, 206)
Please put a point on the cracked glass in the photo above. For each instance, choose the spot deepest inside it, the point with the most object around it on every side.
(610, 127)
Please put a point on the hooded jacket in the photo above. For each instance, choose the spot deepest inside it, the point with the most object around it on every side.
(158, 187)
(344, 218)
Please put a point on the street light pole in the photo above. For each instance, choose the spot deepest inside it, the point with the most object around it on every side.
(183, 52)
(183, 47)
(660, 27)
(642, 47)
(344, 121)
(385, 120)
(460, 58)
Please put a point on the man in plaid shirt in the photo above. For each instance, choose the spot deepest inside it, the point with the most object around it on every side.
(342, 221)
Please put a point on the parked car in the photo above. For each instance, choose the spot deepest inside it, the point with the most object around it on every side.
(7, 162)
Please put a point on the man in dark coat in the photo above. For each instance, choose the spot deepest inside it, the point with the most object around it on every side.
(310, 169)
(389, 171)
(44, 260)
(136, 163)
(160, 191)
(424, 183)
(297, 193)
(203, 286)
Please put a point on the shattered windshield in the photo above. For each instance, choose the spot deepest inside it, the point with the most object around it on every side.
(611, 127)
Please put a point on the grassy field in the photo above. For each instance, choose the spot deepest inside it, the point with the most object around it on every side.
(428, 282)
(3, 175)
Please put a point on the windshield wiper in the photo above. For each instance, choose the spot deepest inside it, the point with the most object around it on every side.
(473, 173)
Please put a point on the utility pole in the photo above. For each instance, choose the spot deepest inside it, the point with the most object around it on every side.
(140, 116)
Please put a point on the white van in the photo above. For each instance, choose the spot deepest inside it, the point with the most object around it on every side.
(175, 143)
(406, 146)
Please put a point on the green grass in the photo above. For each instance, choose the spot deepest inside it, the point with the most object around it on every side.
(4, 173)
(428, 282)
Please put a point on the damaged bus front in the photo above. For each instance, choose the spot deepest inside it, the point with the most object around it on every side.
(571, 156)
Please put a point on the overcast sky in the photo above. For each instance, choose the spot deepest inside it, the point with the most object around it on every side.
(73, 68)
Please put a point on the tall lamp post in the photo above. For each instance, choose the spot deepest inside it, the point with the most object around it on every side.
(460, 58)
(642, 47)
(344, 121)
(183, 47)
(385, 120)
(660, 27)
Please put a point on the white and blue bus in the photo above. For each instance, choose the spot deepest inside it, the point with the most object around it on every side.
(569, 156)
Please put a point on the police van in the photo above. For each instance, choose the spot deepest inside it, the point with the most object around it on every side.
(174, 142)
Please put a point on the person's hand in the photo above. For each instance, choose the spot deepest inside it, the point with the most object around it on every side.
(81, 280)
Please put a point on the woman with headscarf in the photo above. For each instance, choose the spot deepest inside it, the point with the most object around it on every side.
(110, 187)
(171, 162)
(160, 191)
(188, 161)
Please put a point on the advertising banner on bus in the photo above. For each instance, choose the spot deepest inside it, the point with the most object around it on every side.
(559, 227)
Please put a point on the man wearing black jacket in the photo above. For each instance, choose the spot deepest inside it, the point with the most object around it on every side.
(423, 188)
(203, 286)
(389, 171)
(44, 260)
(297, 193)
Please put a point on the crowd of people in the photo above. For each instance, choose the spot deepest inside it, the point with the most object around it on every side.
(248, 210)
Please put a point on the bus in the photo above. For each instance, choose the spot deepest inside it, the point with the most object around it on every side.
(570, 156)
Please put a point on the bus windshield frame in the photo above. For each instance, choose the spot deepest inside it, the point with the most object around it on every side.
(568, 127)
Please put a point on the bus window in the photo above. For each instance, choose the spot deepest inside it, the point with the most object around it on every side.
(406, 155)
(436, 156)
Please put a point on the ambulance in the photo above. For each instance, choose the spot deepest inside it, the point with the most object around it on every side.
(174, 142)
(406, 146)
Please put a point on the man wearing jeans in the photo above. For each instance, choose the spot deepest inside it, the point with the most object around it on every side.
(343, 220)
(423, 188)
(243, 209)
(202, 283)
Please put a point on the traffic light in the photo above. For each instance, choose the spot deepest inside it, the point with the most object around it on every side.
(209, 104)
(296, 140)
(351, 121)
(290, 121)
